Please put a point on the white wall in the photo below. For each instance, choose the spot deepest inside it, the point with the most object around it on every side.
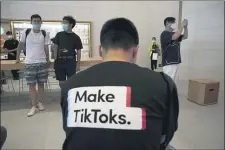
(148, 16)
(203, 52)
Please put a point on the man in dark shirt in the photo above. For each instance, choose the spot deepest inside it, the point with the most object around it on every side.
(170, 43)
(10, 46)
(67, 46)
(117, 105)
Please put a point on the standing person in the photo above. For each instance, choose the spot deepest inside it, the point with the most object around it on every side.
(67, 46)
(170, 43)
(117, 105)
(36, 61)
(154, 53)
(10, 46)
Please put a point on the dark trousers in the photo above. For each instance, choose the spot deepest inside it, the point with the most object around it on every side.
(64, 68)
(3, 136)
(153, 64)
(15, 73)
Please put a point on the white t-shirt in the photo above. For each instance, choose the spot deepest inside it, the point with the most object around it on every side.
(35, 42)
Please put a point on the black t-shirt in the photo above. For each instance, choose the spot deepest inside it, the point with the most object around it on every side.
(170, 48)
(10, 45)
(116, 106)
(67, 43)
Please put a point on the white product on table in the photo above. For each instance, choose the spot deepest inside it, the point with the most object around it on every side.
(4, 56)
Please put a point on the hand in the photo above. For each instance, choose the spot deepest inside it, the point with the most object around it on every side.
(185, 23)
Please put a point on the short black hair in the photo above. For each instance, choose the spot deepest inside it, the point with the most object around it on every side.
(8, 33)
(35, 16)
(169, 19)
(70, 19)
(119, 33)
(153, 37)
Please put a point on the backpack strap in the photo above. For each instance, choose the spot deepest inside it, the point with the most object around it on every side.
(27, 32)
(43, 33)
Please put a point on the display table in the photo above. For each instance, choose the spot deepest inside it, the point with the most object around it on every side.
(12, 65)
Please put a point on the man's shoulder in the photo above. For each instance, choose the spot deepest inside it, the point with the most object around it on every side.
(166, 32)
(6, 41)
(15, 40)
(60, 33)
(76, 36)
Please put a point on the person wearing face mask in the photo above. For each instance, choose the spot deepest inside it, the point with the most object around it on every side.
(68, 45)
(153, 53)
(170, 42)
(118, 105)
(10, 47)
(36, 43)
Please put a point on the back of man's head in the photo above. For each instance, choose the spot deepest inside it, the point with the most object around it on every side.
(119, 33)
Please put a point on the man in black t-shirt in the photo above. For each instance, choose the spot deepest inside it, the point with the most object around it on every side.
(10, 46)
(170, 43)
(117, 105)
(67, 46)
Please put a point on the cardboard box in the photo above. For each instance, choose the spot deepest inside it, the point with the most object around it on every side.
(203, 91)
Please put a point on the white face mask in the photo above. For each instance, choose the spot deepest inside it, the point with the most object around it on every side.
(9, 36)
(153, 41)
(174, 26)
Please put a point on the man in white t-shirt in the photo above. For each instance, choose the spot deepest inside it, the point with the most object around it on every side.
(36, 61)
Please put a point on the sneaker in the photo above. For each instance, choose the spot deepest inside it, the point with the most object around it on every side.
(40, 106)
(32, 111)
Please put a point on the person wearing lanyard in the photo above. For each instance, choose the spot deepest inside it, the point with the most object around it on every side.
(153, 53)
(10, 47)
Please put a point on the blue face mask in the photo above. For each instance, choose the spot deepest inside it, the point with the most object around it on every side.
(36, 26)
(65, 27)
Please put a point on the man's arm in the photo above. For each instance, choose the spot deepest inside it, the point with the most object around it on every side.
(55, 49)
(150, 49)
(78, 58)
(177, 34)
(21, 46)
(5, 50)
(185, 35)
(47, 53)
(46, 47)
(78, 48)
(19, 49)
